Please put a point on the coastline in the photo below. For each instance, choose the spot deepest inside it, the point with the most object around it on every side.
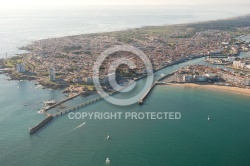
(173, 62)
(229, 89)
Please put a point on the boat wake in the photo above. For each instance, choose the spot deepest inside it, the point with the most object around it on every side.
(78, 126)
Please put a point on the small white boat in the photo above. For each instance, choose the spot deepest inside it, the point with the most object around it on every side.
(208, 118)
(40, 112)
(108, 137)
(25, 104)
(107, 161)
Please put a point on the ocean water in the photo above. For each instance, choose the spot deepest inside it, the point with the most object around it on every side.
(19, 28)
(191, 140)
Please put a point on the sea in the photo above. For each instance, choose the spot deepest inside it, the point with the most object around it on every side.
(20, 27)
(191, 140)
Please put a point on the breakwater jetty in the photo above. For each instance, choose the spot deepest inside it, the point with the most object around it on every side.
(89, 102)
(32, 130)
(52, 116)
(141, 101)
(77, 107)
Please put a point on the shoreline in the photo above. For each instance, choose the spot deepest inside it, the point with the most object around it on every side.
(23, 48)
(228, 89)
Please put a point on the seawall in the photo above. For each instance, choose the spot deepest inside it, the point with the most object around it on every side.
(41, 124)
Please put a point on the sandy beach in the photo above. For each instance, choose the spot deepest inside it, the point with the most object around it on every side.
(229, 89)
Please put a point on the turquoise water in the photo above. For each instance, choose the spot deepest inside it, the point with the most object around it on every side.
(192, 140)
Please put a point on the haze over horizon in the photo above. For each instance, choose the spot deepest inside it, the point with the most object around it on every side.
(57, 4)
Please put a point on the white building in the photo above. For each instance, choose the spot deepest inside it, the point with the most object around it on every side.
(238, 64)
(20, 68)
(52, 74)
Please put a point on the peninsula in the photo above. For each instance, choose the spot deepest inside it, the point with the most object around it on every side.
(68, 61)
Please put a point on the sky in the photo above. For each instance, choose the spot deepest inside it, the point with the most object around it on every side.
(43, 4)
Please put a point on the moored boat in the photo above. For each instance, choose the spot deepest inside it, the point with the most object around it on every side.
(49, 102)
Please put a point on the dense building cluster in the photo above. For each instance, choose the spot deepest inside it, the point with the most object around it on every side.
(205, 74)
(73, 57)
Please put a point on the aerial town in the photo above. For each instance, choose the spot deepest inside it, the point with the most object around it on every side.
(66, 61)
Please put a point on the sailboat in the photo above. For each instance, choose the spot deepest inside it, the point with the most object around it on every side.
(108, 137)
(107, 161)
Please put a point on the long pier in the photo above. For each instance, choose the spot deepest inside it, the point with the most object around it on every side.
(76, 107)
(52, 116)
(88, 102)
(49, 117)
(40, 125)
(141, 101)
